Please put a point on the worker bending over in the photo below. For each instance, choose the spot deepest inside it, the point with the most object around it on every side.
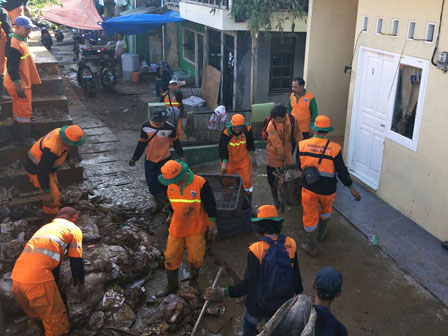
(272, 274)
(36, 271)
(320, 160)
(194, 210)
(283, 133)
(156, 136)
(45, 157)
(21, 74)
(302, 105)
(235, 144)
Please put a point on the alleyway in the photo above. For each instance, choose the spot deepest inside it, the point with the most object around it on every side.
(378, 297)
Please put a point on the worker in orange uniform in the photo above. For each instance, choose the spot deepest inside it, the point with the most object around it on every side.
(5, 31)
(283, 132)
(45, 157)
(36, 272)
(173, 102)
(194, 210)
(235, 145)
(21, 75)
(16, 8)
(302, 105)
(320, 160)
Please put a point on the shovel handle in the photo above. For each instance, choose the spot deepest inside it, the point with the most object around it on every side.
(206, 303)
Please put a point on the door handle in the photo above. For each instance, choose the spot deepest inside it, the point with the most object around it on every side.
(382, 125)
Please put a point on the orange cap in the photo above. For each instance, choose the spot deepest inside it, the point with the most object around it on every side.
(322, 123)
(238, 120)
(74, 133)
(267, 212)
(173, 171)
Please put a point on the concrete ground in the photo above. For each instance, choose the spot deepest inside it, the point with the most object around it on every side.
(378, 297)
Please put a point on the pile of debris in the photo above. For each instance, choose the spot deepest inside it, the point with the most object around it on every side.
(120, 262)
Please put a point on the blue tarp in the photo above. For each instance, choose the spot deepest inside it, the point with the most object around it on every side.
(138, 23)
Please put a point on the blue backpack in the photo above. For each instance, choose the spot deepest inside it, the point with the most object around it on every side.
(276, 281)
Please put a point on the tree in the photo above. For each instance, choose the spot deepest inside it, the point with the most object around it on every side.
(262, 15)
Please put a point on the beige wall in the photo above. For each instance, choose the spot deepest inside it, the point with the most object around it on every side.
(329, 47)
(415, 183)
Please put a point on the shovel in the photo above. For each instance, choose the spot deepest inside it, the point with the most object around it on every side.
(206, 303)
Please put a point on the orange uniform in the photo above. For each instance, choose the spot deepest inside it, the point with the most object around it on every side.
(15, 13)
(279, 142)
(235, 149)
(21, 67)
(34, 285)
(44, 158)
(304, 108)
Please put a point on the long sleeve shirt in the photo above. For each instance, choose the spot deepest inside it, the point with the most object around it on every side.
(224, 144)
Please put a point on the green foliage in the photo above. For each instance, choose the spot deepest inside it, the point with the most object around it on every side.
(39, 4)
(265, 14)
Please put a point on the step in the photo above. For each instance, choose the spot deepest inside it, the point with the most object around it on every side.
(51, 85)
(59, 102)
(18, 178)
(44, 60)
(43, 121)
(13, 153)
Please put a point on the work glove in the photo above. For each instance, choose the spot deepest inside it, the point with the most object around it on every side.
(214, 294)
(131, 163)
(212, 232)
(47, 199)
(223, 168)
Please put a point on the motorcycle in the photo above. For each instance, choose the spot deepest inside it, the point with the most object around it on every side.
(108, 74)
(87, 78)
(59, 35)
(46, 39)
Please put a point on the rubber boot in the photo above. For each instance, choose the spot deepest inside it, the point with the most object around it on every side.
(25, 134)
(3, 95)
(159, 200)
(275, 196)
(172, 283)
(322, 229)
(310, 245)
(16, 133)
(194, 276)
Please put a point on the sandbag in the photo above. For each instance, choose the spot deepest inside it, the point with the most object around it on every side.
(296, 317)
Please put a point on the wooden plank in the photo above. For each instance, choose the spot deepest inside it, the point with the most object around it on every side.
(211, 81)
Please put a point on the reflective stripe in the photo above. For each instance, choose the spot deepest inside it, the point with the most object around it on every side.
(55, 239)
(237, 143)
(25, 120)
(249, 189)
(311, 228)
(48, 253)
(185, 201)
(327, 174)
(32, 158)
(25, 56)
(324, 216)
(75, 245)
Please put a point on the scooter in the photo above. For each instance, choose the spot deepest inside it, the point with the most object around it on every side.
(59, 35)
(108, 74)
(46, 39)
(87, 78)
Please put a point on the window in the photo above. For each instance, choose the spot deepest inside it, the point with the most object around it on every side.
(282, 63)
(365, 23)
(408, 105)
(379, 26)
(214, 48)
(429, 36)
(189, 50)
(411, 30)
(394, 27)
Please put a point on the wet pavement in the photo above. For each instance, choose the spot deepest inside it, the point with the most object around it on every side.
(378, 298)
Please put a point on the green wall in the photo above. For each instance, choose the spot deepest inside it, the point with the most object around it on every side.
(142, 46)
(183, 64)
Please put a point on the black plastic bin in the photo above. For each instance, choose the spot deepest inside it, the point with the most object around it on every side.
(234, 209)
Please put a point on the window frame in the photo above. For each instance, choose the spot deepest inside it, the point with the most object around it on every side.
(365, 20)
(376, 27)
(392, 27)
(411, 144)
(433, 32)
(184, 31)
(409, 28)
(271, 77)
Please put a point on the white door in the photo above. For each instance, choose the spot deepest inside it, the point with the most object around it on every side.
(371, 110)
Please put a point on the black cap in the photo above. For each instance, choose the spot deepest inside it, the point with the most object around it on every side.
(328, 282)
(160, 115)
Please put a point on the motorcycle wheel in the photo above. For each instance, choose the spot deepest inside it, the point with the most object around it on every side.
(106, 81)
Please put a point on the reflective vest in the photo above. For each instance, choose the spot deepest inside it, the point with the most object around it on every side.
(45, 251)
(301, 110)
(310, 151)
(260, 248)
(27, 69)
(54, 143)
(237, 146)
(174, 102)
(189, 217)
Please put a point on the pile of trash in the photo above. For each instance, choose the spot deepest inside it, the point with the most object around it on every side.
(120, 261)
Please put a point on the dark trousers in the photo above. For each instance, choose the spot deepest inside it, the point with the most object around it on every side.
(152, 172)
(271, 177)
(160, 84)
(306, 135)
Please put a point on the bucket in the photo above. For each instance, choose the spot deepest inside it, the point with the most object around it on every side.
(134, 77)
